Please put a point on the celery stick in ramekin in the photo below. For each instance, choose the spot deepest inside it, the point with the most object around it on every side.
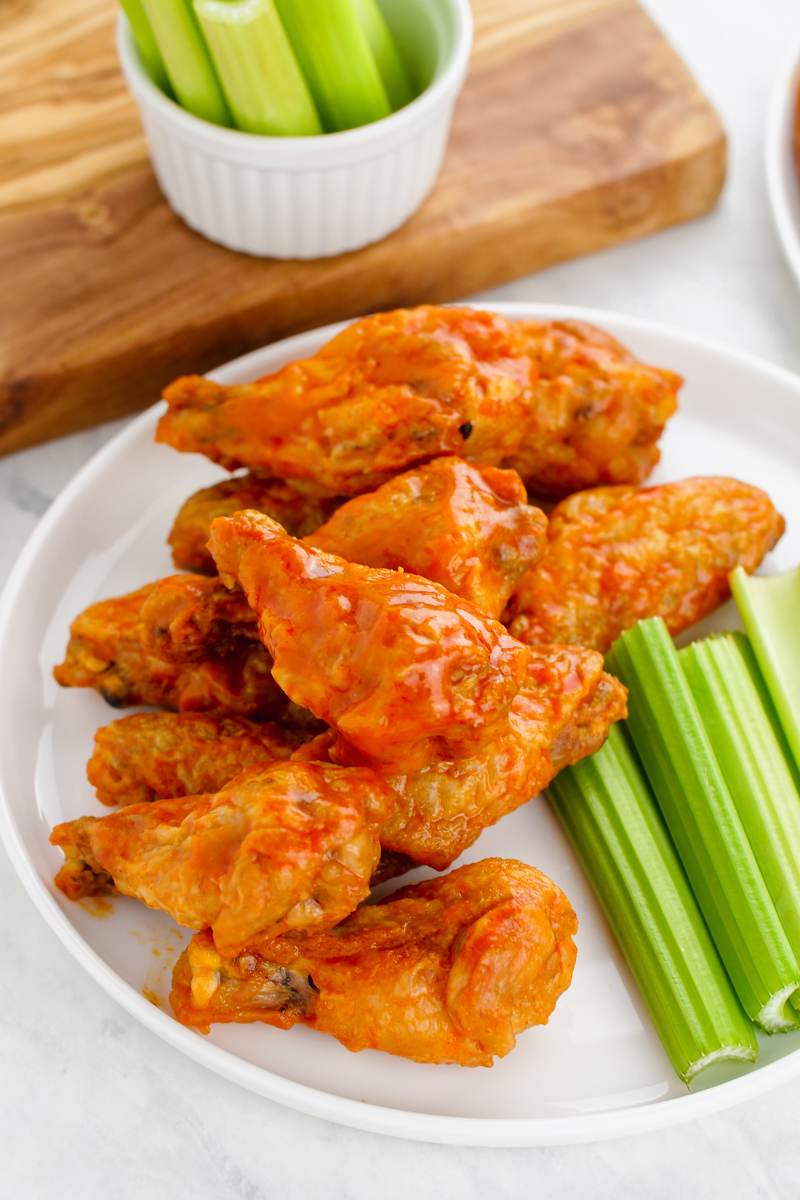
(262, 82)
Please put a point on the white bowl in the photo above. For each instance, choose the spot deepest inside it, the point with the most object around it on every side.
(781, 164)
(307, 197)
(598, 1069)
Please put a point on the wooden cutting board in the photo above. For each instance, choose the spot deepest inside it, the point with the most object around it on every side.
(579, 127)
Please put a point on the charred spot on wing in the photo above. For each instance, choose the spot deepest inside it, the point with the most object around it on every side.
(465, 430)
(311, 984)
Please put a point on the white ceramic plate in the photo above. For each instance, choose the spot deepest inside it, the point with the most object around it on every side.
(781, 164)
(598, 1069)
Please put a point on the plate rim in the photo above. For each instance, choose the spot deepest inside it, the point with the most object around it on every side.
(396, 1122)
(779, 121)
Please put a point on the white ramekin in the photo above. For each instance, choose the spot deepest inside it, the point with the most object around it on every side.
(292, 197)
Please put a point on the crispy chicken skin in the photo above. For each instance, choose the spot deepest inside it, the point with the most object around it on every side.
(285, 846)
(185, 643)
(163, 755)
(299, 515)
(404, 669)
(468, 528)
(389, 391)
(446, 971)
(562, 713)
(597, 412)
(617, 555)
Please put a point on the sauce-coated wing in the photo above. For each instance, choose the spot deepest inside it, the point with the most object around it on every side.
(597, 412)
(285, 846)
(446, 971)
(387, 392)
(562, 713)
(404, 669)
(163, 755)
(617, 555)
(468, 528)
(299, 515)
(185, 643)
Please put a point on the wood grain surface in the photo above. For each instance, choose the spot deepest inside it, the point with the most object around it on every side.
(578, 127)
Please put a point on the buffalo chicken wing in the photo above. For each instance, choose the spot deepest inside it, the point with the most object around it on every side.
(468, 528)
(562, 403)
(285, 846)
(447, 971)
(617, 555)
(185, 642)
(404, 669)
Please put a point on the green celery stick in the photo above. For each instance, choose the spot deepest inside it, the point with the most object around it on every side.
(334, 55)
(770, 606)
(720, 673)
(146, 44)
(187, 60)
(263, 84)
(677, 755)
(610, 815)
(387, 59)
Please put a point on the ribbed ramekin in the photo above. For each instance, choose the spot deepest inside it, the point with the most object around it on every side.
(293, 197)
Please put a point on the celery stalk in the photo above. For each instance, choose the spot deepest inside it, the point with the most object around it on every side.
(701, 816)
(335, 57)
(770, 608)
(387, 59)
(610, 815)
(262, 82)
(187, 60)
(720, 674)
(146, 44)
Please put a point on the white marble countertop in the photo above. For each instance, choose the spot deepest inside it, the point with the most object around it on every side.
(92, 1104)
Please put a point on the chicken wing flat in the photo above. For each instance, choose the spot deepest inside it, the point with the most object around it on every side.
(299, 515)
(163, 755)
(387, 392)
(285, 846)
(186, 643)
(562, 714)
(561, 402)
(468, 528)
(617, 555)
(404, 669)
(597, 412)
(446, 971)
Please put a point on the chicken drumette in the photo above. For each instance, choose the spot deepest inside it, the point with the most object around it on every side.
(405, 670)
(617, 555)
(446, 971)
(284, 846)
